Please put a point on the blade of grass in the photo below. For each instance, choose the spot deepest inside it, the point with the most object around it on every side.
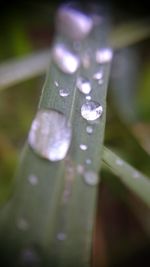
(15, 71)
(53, 220)
(132, 178)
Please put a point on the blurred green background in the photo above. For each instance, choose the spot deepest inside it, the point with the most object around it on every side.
(123, 223)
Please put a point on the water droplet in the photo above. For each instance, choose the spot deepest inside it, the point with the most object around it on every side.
(89, 129)
(67, 61)
(100, 81)
(22, 224)
(61, 236)
(136, 175)
(80, 169)
(64, 92)
(83, 147)
(83, 85)
(29, 258)
(88, 97)
(91, 110)
(119, 162)
(88, 161)
(98, 75)
(73, 23)
(33, 179)
(56, 83)
(91, 178)
(50, 135)
(104, 55)
(86, 60)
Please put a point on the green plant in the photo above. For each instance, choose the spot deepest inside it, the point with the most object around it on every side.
(49, 218)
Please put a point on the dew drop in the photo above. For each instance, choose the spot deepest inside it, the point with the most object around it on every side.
(63, 92)
(88, 97)
(83, 85)
(67, 61)
(136, 175)
(29, 258)
(83, 147)
(104, 55)
(86, 60)
(98, 75)
(73, 23)
(89, 129)
(56, 83)
(33, 179)
(91, 111)
(50, 135)
(22, 224)
(119, 162)
(61, 236)
(88, 161)
(80, 169)
(91, 178)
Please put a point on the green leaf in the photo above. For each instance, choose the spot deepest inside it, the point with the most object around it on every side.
(132, 178)
(15, 71)
(51, 214)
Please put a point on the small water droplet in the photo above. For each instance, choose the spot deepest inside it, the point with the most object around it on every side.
(91, 178)
(33, 179)
(56, 83)
(119, 162)
(100, 81)
(104, 55)
(91, 110)
(61, 236)
(88, 97)
(98, 75)
(86, 60)
(83, 85)
(29, 258)
(67, 61)
(89, 129)
(64, 92)
(80, 169)
(88, 161)
(50, 135)
(73, 23)
(136, 175)
(83, 147)
(22, 224)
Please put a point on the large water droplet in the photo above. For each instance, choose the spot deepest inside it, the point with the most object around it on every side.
(64, 92)
(89, 129)
(91, 110)
(33, 179)
(84, 85)
(67, 61)
(50, 135)
(104, 55)
(22, 224)
(29, 258)
(83, 147)
(73, 23)
(91, 178)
